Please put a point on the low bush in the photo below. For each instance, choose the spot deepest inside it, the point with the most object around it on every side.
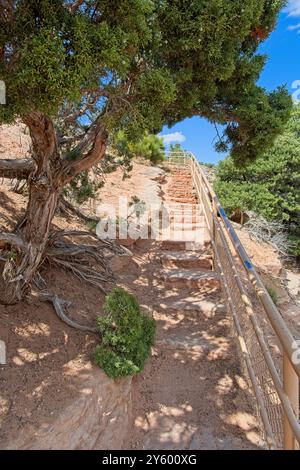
(127, 336)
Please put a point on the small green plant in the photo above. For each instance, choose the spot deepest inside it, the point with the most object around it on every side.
(273, 294)
(127, 335)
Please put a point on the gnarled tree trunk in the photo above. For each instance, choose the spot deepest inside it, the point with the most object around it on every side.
(45, 184)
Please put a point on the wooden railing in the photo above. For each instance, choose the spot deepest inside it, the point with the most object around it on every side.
(273, 373)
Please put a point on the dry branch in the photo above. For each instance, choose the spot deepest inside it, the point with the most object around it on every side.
(273, 232)
(17, 168)
(13, 239)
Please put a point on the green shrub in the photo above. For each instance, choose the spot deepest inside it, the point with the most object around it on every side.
(127, 336)
(269, 186)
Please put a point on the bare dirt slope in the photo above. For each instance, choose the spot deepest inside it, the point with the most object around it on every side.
(44, 355)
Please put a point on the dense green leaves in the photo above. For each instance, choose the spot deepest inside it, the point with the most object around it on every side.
(146, 64)
(151, 148)
(127, 335)
(271, 185)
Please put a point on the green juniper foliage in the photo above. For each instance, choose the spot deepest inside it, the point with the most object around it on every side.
(145, 63)
(150, 147)
(127, 336)
(270, 186)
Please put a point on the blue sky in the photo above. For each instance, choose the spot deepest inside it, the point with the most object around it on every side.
(283, 67)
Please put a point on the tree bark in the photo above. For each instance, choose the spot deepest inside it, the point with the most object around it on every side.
(45, 184)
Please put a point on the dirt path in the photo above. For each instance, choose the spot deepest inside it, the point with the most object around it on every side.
(192, 394)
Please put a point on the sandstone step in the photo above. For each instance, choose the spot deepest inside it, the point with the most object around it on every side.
(186, 213)
(186, 338)
(182, 189)
(178, 245)
(184, 200)
(178, 206)
(182, 196)
(191, 344)
(191, 305)
(184, 186)
(200, 236)
(190, 278)
(188, 219)
(189, 259)
(187, 216)
(187, 226)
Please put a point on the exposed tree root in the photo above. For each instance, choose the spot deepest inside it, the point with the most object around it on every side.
(101, 244)
(87, 261)
(77, 259)
(59, 307)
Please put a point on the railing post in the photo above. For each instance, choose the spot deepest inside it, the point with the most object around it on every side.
(291, 388)
(214, 228)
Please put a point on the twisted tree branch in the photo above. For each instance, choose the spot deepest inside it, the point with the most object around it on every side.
(19, 168)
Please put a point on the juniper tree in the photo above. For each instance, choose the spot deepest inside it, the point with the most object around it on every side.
(76, 72)
(270, 186)
(149, 146)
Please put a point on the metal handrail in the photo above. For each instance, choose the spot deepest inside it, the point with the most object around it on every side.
(288, 391)
(285, 336)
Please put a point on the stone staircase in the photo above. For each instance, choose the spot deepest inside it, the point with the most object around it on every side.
(193, 388)
(186, 261)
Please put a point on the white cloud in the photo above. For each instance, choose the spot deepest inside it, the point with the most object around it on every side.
(174, 137)
(293, 8)
(295, 27)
